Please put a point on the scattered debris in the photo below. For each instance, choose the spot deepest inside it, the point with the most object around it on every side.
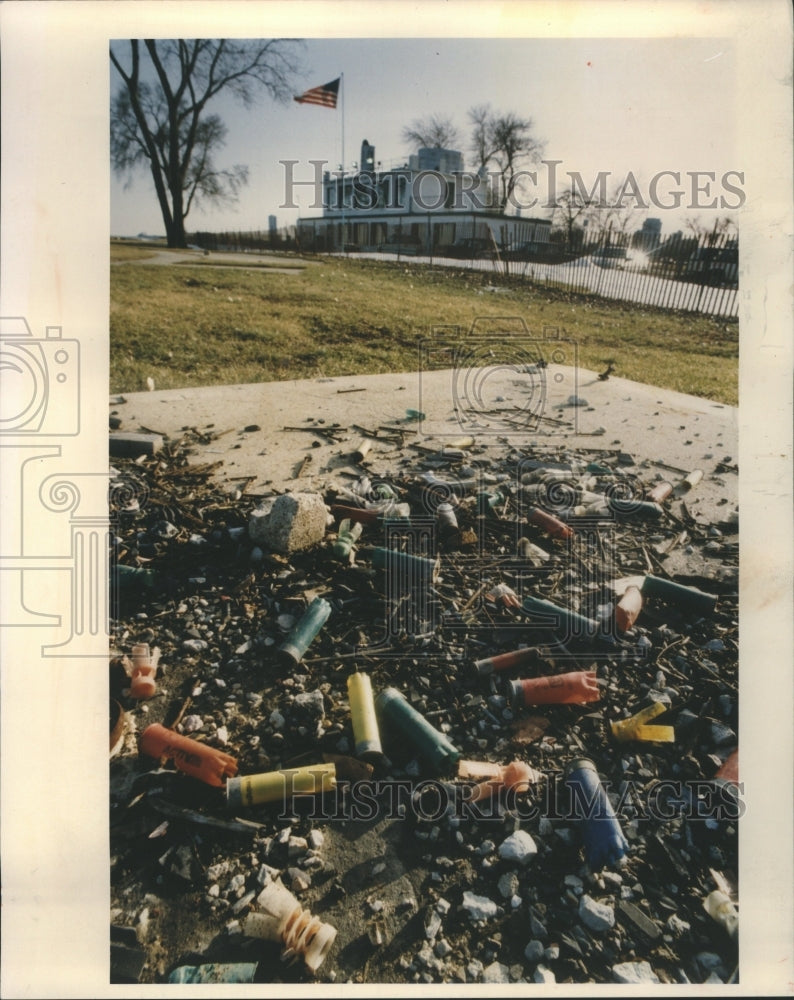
(350, 671)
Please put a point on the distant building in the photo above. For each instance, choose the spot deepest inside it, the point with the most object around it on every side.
(649, 236)
(429, 206)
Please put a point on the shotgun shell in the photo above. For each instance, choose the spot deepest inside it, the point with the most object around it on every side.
(346, 539)
(357, 514)
(215, 972)
(196, 759)
(633, 508)
(304, 631)
(448, 530)
(458, 487)
(278, 786)
(362, 449)
(661, 491)
(488, 500)
(362, 711)
(628, 608)
(144, 668)
(570, 623)
(634, 727)
(675, 593)
(434, 747)
(280, 917)
(550, 524)
(689, 481)
(412, 570)
(575, 688)
(604, 842)
(730, 769)
(504, 661)
(533, 552)
(492, 778)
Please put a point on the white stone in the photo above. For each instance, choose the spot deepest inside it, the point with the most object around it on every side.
(316, 839)
(474, 969)
(297, 846)
(518, 847)
(634, 972)
(290, 523)
(496, 972)
(543, 975)
(479, 907)
(597, 916)
(192, 723)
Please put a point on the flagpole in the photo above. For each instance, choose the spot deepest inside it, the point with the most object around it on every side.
(342, 89)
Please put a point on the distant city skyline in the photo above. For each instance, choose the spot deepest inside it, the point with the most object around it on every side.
(654, 107)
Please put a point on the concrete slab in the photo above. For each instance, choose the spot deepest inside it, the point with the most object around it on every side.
(501, 407)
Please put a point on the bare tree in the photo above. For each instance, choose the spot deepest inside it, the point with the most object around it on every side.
(569, 208)
(506, 142)
(432, 132)
(159, 117)
(723, 227)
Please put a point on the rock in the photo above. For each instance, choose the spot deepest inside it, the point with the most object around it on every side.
(290, 523)
(316, 839)
(536, 925)
(519, 847)
(634, 973)
(432, 924)
(677, 926)
(479, 907)
(639, 919)
(543, 975)
(597, 916)
(442, 948)
(192, 723)
(298, 880)
(508, 884)
(297, 846)
(496, 972)
(534, 951)
(194, 645)
(310, 705)
(474, 970)
(710, 962)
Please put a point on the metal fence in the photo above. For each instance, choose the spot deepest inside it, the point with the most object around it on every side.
(689, 274)
(686, 274)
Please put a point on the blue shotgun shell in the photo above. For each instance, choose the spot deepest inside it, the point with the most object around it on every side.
(604, 842)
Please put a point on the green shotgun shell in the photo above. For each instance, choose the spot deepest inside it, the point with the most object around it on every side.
(433, 746)
(305, 630)
(412, 569)
(563, 621)
(676, 593)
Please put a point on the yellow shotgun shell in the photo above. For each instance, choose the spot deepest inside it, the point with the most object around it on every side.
(275, 786)
(366, 733)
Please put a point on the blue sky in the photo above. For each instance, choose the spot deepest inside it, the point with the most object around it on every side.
(640, 104)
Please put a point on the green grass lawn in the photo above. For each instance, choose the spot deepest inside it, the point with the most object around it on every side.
(195, 325)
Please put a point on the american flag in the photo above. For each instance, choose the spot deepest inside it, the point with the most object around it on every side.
(325, 96)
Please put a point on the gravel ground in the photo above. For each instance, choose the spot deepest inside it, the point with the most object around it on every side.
(421, 887)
